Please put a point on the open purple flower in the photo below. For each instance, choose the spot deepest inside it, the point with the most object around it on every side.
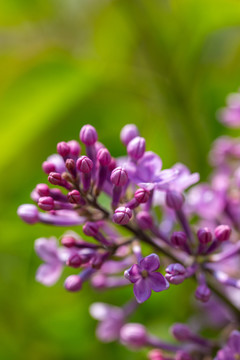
(54, 257)
(145, 278)
(183, 179)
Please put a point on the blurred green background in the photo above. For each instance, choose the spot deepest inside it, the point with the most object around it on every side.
(166, 66)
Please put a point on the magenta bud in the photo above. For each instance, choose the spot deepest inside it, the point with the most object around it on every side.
(55, 178)
(181, 332)
(122, 215)
(42, 189)
(74, 261)
(136, 148)
(128, 133)
(63, 149)
(74, 147)
(144, 220)
(104, 157)
(155, 354)
(48, 167)
(84, 164)
(119, 176)
(112, 164)
(175, 273)
(222, 232)
(88, 135)
(68, 241)
(204, 235)
(90, 229)
(142, 196)
(46, 203)
(74, 197)
(73, 283)
(174, 199)
(133, 335)
(178, 238)
(203, 293)
(28, 213)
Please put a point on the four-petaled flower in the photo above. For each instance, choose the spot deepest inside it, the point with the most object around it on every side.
(145, 278)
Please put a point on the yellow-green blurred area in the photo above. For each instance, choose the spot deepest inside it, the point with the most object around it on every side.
(166, 66)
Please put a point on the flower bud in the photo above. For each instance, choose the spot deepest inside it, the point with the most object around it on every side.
(128, 133)
(63, 149)
(119, 176)
(73, 283)
(144, 220)
(122, 215)
(46, 203)
(90, 229)
(28, 213)
(175, 273)
(74, 147)
(104, 157)
(222, 232)
(112, 164)
(142, 196)
(204, 235)
(43, 189)
(84, 164)
(174, 200)
(155, 354)
(181, 332)
(48, 167)
(71, 166)
(68, 241)
(55, 178)
(178, 238)
(74, 197)
(133, 335)
(203, 293)
(74, 261)
(88, 135)
(136, 148)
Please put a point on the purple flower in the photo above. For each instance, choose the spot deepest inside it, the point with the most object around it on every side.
(147, 173)
(232, 350)
(49, 272)
(145, 278)
(184, 178)
(205, 201)
(111, 320)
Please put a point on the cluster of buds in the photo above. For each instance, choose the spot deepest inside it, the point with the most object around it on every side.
(135, 187)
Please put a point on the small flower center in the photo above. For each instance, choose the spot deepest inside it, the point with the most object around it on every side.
(237, 356)
(144, 273)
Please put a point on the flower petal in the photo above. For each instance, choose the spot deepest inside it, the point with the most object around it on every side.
(142, 290)
(165, 177)
(46, 249)
(150, 263)
(157, 282)
(133, 274)
(48, 274)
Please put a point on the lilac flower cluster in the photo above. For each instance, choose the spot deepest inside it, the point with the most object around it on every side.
(196, 236)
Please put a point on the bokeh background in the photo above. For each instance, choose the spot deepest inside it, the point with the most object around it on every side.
(166, 66)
